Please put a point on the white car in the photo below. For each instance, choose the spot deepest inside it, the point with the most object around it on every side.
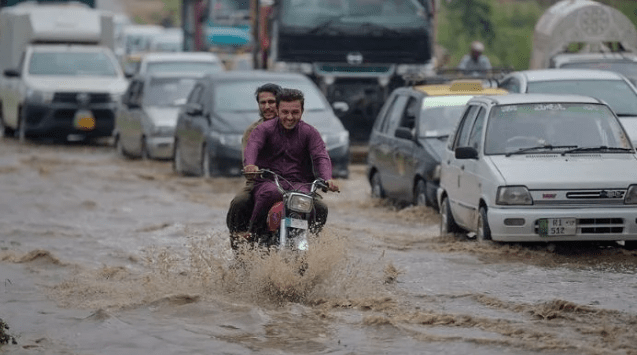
(179, 62)
(539, 168)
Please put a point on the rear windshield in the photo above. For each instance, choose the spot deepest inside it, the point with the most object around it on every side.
(185, 66)
(166, 91)
(239, 96)
(616, 93)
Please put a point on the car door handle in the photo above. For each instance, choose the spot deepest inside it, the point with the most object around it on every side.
(461, 167)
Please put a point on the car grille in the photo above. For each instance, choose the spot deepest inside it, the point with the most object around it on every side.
(597, 226)
(76, 98)
(579, 197)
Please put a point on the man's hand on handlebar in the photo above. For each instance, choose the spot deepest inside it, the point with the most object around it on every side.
(332, 185)
(251, 171)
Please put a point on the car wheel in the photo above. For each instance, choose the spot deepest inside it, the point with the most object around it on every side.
(205, 162)
(484, 232)
(145, 154)
(377, 187)
(177, 164)
(447, 223)
(420, 194)
(119, 147)
(22, 129)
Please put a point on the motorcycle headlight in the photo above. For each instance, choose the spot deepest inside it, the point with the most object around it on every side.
(513, 195)
(300, 203)
(631, 195)
(44, 97)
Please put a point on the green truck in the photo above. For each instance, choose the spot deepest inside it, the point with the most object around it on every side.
(5, 3)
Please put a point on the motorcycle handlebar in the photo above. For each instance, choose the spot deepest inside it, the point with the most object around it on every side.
(316, 184)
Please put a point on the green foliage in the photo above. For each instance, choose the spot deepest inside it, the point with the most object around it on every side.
(510, 40)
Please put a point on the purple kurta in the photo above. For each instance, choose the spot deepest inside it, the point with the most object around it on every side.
(299, 155)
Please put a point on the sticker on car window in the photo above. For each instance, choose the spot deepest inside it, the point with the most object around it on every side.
(510, 108)
(549, 107)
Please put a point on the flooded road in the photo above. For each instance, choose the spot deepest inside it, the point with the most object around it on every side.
(103, 255)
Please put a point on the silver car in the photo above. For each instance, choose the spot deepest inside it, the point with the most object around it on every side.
(613, 88)
(146, 118)
(539, 168)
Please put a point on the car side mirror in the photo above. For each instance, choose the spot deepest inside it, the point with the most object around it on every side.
(12, 73)
(466, 153)
(404, 133)
(194, 109)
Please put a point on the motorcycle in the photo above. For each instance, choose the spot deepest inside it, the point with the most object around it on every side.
(290, 221)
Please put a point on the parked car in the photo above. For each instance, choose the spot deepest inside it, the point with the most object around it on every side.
(146, 118)
(178, 62)
(613, 88)
(409, 135)
(222, 105)
(539, 168)
(622, 63)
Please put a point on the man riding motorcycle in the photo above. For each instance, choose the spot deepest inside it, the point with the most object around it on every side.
(291, 148)
(241, 206)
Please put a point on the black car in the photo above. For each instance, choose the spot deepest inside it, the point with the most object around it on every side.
(222, 105)
(409, 136)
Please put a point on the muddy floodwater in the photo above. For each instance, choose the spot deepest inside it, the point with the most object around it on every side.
(104, 255)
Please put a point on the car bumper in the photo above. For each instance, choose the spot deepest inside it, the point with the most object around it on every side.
(161, 147)
(593, 224)
(58, 119)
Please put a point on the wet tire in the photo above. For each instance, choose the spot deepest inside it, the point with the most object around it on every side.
(177, 163)
(483, 233)
(377, 186)
(145, 154)
(447, 223)
(119, 147)
(22, 129)
(205, 162)
(420, 194)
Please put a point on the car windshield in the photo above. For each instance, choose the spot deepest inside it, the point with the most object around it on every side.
(440, 114)
(541, 126)
(617, 93)
(184, 66)
(72, 64)
(166, 91)
(315, 14)
(628, 69)
(239, 95)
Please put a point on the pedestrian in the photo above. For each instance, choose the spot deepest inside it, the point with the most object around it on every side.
(475, 62)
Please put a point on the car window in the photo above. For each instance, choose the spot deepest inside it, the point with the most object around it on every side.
(462, 134)
(408, 119)
(72, 64)
(616, 93)
(395, 113)
(511, 85)
(383, 118)
(475, 138)
(195, 94)
(514, 127)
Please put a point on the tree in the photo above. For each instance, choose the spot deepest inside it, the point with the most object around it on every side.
(474, 17)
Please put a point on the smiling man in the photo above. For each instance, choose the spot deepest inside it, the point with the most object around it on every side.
(289, 147)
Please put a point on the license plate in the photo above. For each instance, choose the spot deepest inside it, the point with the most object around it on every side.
(84, 120)
(296, 223)
(557, 226)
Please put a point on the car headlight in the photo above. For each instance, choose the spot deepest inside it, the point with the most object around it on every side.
(41, 96)
(230, 140)
(335, 139)
(300, 203)
(513, 195)
(163, 131)
(631, 195)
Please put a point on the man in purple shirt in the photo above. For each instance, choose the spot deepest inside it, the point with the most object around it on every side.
(290, 148)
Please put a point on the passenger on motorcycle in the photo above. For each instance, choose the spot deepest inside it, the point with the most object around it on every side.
(289, 147)
(240, 210)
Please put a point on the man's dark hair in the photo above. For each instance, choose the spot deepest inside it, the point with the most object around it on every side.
(288, 95)
(274, 89)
